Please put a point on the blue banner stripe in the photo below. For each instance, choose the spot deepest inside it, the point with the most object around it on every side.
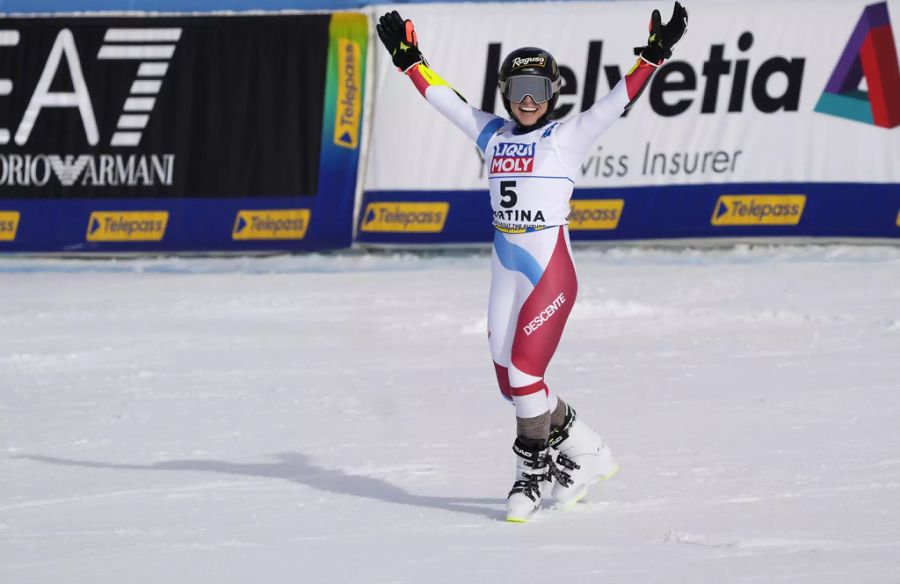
(194, 225)
(832, 210)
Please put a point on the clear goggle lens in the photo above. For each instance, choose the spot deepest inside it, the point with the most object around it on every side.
(517, 88)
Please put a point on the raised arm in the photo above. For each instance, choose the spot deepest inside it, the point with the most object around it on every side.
(578, 134)
(400, 39)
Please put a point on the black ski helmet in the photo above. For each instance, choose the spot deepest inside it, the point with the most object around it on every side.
(530, 62)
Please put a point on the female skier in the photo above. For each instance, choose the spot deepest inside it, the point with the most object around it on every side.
(532, 163)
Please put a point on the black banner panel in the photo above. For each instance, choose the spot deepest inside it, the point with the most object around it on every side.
(180, 133)
(201, 107)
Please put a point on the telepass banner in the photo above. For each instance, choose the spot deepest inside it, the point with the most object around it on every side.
(772, 119)
(180, 133)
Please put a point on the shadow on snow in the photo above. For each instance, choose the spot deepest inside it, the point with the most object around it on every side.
(298, 468)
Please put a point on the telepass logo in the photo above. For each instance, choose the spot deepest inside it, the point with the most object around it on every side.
(747, 210)
(127, 226)
(595, 214)
(270, 224)
(349, 106)
(9, 224)
(400, 217)
(869, 54)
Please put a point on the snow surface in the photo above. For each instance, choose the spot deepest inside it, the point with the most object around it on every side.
(334, 418)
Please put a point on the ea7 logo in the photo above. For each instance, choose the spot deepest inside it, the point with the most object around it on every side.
(152, 47)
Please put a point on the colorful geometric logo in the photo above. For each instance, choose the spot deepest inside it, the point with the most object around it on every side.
(870, 53)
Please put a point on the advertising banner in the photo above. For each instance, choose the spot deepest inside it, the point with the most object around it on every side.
(770, 120)
(179, 133)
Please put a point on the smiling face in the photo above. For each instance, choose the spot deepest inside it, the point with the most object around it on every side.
(527, 112)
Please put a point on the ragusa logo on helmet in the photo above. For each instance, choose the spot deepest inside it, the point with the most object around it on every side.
(526, 61)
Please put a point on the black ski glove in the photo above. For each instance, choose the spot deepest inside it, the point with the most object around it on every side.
(663, 36)
(399, 37)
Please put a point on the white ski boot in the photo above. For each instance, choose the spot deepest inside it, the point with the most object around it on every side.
(582, 460)
(532, 468)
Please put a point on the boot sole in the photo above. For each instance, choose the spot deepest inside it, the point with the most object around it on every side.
(523, 518)
(581, 494)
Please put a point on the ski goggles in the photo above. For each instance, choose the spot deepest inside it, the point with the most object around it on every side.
(516, 88)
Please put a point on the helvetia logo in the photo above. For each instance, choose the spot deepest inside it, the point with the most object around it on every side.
(869, 54)
(270, 224)
(349, 82)
(595, 214)
(405, 217)
(742, 210)
(9, 225)
(127, 225)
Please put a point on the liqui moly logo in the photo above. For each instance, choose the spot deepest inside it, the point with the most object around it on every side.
(512, 158)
